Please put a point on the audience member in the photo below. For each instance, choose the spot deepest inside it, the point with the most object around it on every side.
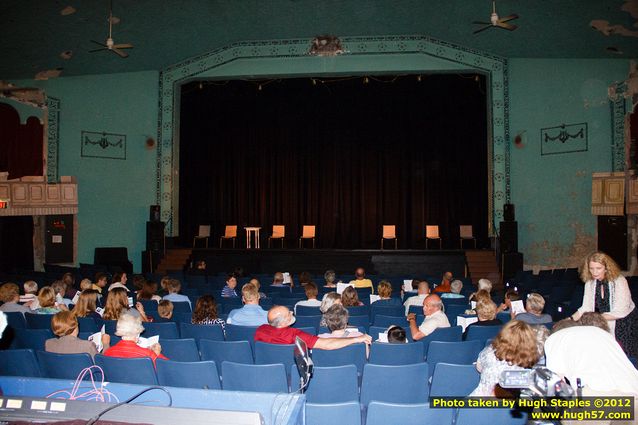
(255, 282)
(46, 300)
(10, 295)
(594, 319)
(119, 281)
(87, 305)
(173, 287)
(65, 327)
(514, 348)
(251, 314)
(533, 315)
(305, 278)
(30, 297)
(510, 295)
(337, 323)
(101, 280)
(483, 285)
(384, 290)
(228, 290)
(328, 301)
(117, 304)
(205, 312)
(486, 314)
(396, 335)
(350, 297)
(279, 331)
(607, 292)
(129, 328)
(360, 280)
(444, 286)
(68, 279)
(138, 282)
(311, 295)
(330, 277)
(165, 311)
(434, 318)
(422, 291)
(148, 291)
(86, 284)
(163, 291)
(455, 290)
(278, 279)
(59, 287)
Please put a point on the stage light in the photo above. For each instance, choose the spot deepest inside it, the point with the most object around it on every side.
(366, 80)
(259, 88)
(418, 78)
(201, 85)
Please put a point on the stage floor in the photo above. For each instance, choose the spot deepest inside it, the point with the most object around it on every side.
(317, 261)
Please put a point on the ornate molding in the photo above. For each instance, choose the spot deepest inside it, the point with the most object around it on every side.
(53, 137)
(494, 67)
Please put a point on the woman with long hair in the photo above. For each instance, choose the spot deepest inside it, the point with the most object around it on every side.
(205, 312)
(149, 292)
(117, 304)
(607, 292)
(87, 305)
(350, 298)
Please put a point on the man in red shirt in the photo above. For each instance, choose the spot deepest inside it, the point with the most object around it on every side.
(130, 327)
(278, 331)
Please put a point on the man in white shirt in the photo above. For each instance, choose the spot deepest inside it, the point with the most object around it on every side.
(311, 294)
(422, 291)
(434, 318)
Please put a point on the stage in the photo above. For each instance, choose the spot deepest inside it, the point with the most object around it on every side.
(317, 261)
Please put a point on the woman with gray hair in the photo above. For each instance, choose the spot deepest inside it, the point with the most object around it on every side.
(129, 328)
(337, 323)
(330, 276)
(534, 311)
(328, 301)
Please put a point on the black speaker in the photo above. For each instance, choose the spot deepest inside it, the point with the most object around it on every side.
(511, 263)
(509, 213)
(509, 236)
(155, 236)
(154, 213)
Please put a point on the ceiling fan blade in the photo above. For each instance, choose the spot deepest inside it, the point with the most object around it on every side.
(483, 29)
(98, 50)
(509, 18)
(509, 27)
(100, 44)
(123, 46)
(120, 53)
(481, 23)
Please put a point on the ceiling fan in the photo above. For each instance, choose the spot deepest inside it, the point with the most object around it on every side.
(495, 21)
(110, 44)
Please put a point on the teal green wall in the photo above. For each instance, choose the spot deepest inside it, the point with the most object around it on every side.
(552, 194)
(114, 195)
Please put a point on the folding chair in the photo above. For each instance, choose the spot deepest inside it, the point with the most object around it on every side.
(307, 232)
(230, 232)
(390, 233)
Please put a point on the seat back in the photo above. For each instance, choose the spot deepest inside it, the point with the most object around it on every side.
(379, 318)
(339, 413)
(181, 350)
(307, 322)
(266, 353)
(395, 384)
(203, 231)
(432, 231)
(165, 330)
(230, 231)
(33, 338)
(21, 362)
(308, 232)
(396, 354)
(389, 231)
(182, 307)
(129, 371)
(88, 324)
(199, 332)
(482, 333)
(451, 334)
(464, 352)
(241, 333)
(452, 311)
(16, 320)
(465, 231)
(250, 377)
(63, 366)
(38, 321)
(337, 384)
(221, 351)
(198, 374)
(454, 380)
(304, 310)
(380, 413)
(362, 321)
(278, 231)
(352, 354)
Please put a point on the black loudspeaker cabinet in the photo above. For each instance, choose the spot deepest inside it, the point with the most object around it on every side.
(150, 261)
(612, 237)
(509, 213)
(154, 213)
(155, 236)
(509, 236)
(511, 263)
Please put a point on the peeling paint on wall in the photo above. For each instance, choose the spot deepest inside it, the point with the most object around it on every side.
(629, 6)
(552, 254)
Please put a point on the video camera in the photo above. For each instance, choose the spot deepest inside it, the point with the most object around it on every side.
(538, 381)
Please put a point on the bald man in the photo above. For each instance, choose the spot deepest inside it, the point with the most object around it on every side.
(422, 291)
(279, 331)
(434, 318)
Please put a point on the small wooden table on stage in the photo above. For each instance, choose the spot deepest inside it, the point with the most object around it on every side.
(252, 231)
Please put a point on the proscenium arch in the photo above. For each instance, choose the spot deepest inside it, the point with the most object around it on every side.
(363, 55)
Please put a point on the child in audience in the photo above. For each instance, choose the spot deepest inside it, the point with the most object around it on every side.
(165, 311)
(229, 290)
(396, 335)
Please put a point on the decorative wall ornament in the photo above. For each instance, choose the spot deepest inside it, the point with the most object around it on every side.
(103, 145)
(53, 137)
(608, 193)
(565, 138)
(212, 65)
(326, 45)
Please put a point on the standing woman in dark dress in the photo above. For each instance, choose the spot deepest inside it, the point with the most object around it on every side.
(607, 292)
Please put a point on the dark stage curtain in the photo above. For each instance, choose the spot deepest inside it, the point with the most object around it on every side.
(345, 156)
(20, 144)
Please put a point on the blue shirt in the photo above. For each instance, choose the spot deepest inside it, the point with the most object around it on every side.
(228, 292)
(248, 315)
(177, 298)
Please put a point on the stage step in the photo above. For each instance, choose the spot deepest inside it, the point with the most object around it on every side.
(482, 264)
(175, 259)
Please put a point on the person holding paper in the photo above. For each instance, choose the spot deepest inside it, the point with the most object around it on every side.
(65, 327)
(422, 291)
(434, 318)
(129, 328)
(360, 280)
(533, 314)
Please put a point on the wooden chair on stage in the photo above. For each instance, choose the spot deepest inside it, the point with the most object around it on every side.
(278, 232)
(390, 232)
(432, 233)
(307, 232)
(466, 233)
(229, 233)
(202, 233)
